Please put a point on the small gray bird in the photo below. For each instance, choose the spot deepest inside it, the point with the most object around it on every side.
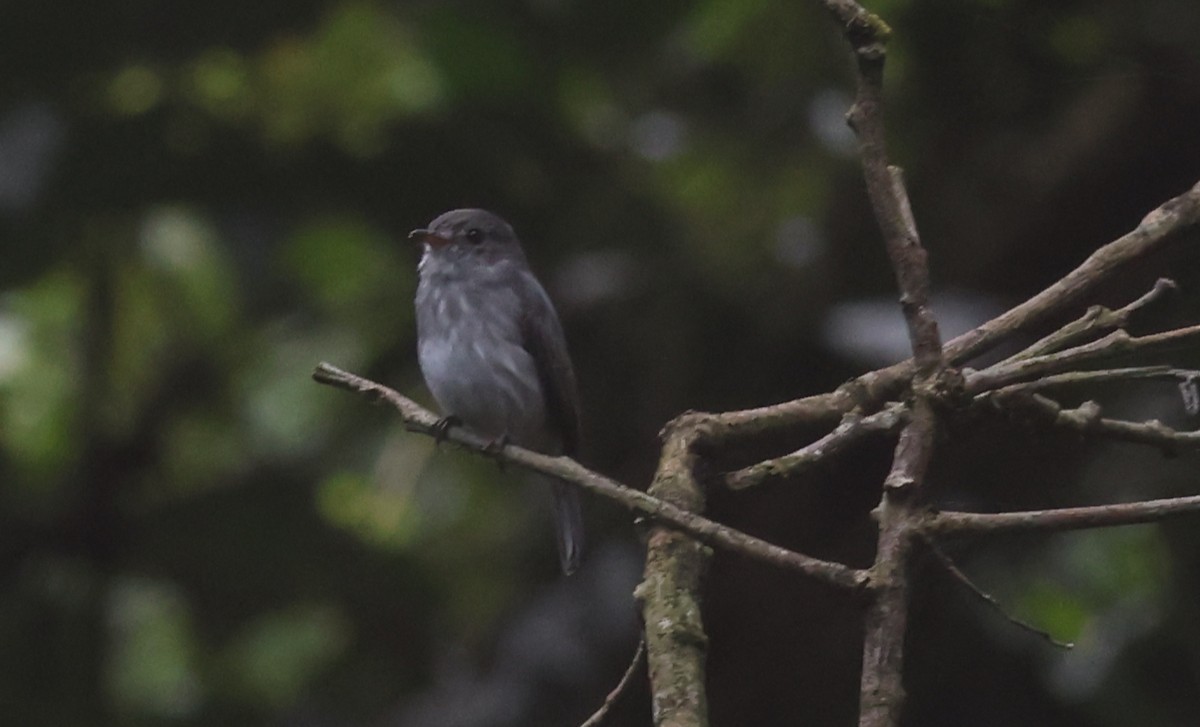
(492, 349)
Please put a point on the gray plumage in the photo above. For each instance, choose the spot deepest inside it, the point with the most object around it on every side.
(492, 349)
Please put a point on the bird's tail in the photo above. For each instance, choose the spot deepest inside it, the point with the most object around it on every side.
(568, 525)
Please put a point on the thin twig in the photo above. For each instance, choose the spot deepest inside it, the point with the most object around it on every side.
(852, 429)
(1100, 376)
(1096, 320)
(1118, 343)
(417, 418)
(989, 599)
(911, 264)
(947, 523)
(1155, 229)
(817, 410)
(600, 714)
(871, 389)
(1087, 419)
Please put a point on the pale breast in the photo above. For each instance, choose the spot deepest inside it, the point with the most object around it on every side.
(471, 356)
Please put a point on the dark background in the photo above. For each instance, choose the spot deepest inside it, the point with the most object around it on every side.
(201, 200)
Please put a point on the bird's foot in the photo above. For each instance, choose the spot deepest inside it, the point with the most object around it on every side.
(442, 427)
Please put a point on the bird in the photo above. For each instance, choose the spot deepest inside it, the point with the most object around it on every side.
(492, 350)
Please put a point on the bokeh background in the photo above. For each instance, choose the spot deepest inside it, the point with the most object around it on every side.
(201, 200)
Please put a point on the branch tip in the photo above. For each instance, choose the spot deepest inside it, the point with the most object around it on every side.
(990, 600)
(600, 714)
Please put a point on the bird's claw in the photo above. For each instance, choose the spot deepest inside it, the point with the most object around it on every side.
(441, 427)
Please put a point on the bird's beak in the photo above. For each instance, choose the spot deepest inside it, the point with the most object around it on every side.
(429, 237)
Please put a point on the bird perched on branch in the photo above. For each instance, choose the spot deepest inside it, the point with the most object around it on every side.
(492, 349)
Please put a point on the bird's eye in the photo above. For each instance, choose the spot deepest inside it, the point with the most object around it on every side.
(475, 235)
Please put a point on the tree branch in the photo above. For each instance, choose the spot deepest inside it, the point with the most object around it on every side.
(1097, 319)
(1087, 420)
(881, 689)
(601, 714)
(852, 429)
(816, 410)
(1099, 376)
(881, 695)
(989, 599)
(947, 523)
(418, 419)
(1117, 343)
(1160, 225)
(676, 643)
(870, 390)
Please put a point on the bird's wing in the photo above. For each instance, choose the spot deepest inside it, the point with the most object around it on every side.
(543, 338)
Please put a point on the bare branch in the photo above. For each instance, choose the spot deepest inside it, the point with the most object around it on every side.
(889, 199)
(419, 419)
(820, 409)
(1117, 343)
(852, 429)
(989, 599)
(913, 452)
(881, 694)
(1087, 419)
(676, 643)
(1097, 320)
(871, 389)
(881, 689)
(1100, 376)
(948, 523)
(1155, 229)
(601, 714)
(911, 264)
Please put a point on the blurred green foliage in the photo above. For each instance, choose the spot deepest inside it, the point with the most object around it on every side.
(200, 201)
